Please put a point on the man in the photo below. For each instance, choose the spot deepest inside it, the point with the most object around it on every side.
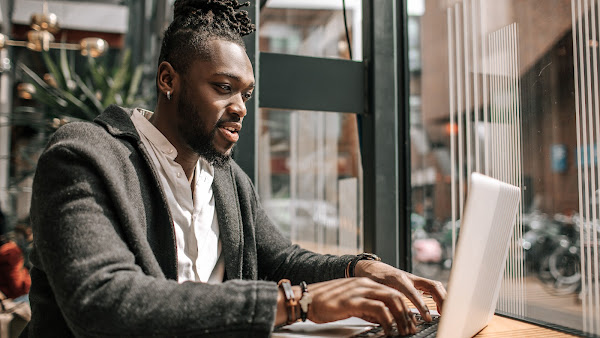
(143, 225)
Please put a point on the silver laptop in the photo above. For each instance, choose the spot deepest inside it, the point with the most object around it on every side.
(486, 229)
(474, 285)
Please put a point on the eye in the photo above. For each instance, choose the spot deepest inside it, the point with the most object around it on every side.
(224, 87)
(247, 96)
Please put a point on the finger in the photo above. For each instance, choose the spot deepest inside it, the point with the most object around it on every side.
(415, 297)
(434, 288)
(393, 300)
(373, 310)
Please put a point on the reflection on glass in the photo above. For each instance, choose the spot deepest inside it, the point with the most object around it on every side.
(498, 83)
(311, 28)
(310, 178)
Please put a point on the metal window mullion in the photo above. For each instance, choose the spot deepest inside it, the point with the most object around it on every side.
(381, 152)
(245, 152)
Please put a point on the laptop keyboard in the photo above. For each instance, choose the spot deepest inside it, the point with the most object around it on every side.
(424, 330)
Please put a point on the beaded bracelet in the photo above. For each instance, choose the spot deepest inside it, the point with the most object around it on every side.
(305, 301)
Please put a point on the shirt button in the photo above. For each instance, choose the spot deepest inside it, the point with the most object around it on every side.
(170, 151)
(178, 175)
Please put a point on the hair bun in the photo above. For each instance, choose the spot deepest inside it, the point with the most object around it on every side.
(187, 7)
(207, 13)
(183, 8)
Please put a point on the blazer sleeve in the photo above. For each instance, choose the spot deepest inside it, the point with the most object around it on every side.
(92, 272)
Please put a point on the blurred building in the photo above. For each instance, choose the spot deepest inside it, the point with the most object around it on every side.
(368, 118)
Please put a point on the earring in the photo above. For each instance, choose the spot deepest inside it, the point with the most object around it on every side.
(169, 95)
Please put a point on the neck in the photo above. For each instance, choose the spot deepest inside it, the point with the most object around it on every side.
(185, 156)
(188, 163)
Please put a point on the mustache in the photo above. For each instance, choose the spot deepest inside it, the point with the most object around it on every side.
(235, 119)
(223, 122)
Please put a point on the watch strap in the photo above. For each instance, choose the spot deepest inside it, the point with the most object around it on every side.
(360, 257)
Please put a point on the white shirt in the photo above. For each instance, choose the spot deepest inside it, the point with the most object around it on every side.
(195, 220)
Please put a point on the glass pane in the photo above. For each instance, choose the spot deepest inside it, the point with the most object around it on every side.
(311, 28)
(497, 87)
(310, 178)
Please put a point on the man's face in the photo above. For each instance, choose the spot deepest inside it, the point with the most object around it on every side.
(212, 102)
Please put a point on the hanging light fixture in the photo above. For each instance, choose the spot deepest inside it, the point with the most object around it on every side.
(41, 37)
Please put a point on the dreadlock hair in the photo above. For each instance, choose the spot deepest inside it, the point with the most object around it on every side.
(195, 23)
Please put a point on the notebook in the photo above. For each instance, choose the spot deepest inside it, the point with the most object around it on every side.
(475, 279)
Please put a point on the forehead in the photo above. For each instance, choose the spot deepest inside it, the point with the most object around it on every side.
(225, 57)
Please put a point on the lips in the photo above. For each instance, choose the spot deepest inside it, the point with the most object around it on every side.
(230, 130)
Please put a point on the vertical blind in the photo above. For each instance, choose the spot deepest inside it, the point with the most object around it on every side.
(485, 107)
(584, 15)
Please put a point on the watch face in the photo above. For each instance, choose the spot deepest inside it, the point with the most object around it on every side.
(369, 256)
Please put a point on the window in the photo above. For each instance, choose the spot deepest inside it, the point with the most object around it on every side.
(510, 89)
(309, 174)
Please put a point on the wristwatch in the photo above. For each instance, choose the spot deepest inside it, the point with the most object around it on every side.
(360, 257)
(305, 301)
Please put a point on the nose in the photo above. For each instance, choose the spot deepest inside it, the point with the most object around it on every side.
(238, 106)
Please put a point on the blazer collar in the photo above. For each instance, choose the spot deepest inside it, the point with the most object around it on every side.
(230, 225)
(117, 121)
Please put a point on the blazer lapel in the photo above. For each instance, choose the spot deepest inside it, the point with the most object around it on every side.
(228, 215)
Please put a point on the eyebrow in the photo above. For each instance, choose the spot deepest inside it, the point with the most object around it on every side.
(235, 77)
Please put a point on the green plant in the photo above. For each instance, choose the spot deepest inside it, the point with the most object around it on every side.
(68, 95)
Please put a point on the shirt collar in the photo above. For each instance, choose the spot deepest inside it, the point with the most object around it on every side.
(140, 119)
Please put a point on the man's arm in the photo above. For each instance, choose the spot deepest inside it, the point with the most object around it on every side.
(277, 257)
(86, 253)
(376, 298)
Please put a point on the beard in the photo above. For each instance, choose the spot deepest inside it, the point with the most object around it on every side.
(196, 134)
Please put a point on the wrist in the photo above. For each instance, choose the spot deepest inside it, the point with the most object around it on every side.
(362, 268)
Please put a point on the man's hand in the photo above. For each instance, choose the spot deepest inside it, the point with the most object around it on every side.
(356, 297)
(363, 298)
(405, 282)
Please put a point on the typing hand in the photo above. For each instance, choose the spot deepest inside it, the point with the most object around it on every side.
(405, 282)
(360, 297)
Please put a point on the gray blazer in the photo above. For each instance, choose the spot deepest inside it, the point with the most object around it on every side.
(105, 261)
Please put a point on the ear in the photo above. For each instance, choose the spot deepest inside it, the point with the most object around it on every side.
(167, 79)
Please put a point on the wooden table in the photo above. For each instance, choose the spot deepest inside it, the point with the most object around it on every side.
(507, 327)
(499, 326)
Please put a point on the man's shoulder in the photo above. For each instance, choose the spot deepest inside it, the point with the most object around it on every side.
(76, 130)
(114, 121)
